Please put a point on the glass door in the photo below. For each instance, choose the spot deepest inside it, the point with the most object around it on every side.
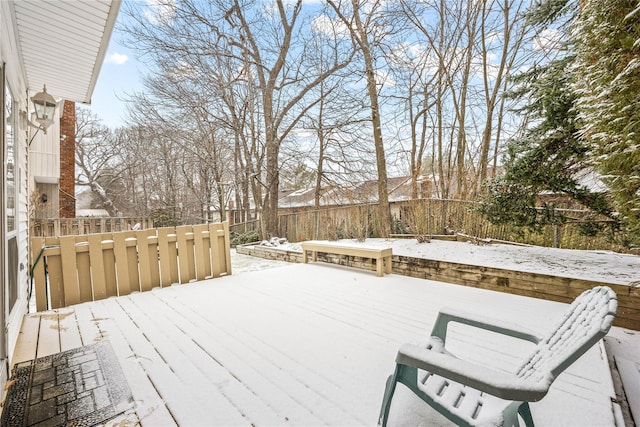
(8, 216)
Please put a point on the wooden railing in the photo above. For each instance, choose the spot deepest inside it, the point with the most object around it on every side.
(69, 270)
(77, 226)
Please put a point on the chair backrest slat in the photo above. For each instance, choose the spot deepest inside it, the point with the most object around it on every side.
(587, 320)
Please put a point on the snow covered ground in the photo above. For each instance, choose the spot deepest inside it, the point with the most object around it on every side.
(605, 266)
(277, 343)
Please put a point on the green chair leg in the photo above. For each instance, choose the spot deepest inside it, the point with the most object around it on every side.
(390, 388)
(525, 412)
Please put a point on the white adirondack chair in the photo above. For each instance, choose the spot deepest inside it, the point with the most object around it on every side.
(470, 394)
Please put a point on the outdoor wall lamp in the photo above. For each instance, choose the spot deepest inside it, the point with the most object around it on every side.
(44, 105)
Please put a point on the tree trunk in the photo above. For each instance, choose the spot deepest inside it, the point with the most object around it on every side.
(321, 142)
(372, 90)
(107, 204)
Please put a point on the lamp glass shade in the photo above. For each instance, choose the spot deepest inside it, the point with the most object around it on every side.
(44, 106)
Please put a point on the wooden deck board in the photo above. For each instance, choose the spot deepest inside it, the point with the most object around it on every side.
(49, 335)
(168, 386)
(205, 372)
(150, 407)
(266, 348)
(28, 340)
(178, 353)
(247, 358)
(69, 332)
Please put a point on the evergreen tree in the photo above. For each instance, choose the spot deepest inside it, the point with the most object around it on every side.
(547, 157)
(607, 83)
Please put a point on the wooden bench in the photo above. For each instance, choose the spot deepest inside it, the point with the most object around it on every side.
(381, 255)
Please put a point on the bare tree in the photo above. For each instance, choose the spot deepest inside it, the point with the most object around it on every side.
(360, 28)
(266, 43)
(502, 20)
(463, 54)
(96, 152)
(285, 85)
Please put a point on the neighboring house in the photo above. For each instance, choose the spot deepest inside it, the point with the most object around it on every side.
(363, 192)
(61, 45)
(52, 166)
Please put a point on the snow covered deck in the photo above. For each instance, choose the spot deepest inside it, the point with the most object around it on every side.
(302, 344)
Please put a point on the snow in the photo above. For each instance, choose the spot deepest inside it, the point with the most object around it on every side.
(278, 343)
(599, 266)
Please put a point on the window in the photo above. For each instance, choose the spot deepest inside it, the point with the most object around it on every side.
(10, 190)
(10, 159)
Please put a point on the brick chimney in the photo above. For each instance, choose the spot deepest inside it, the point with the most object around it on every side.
(67, 160)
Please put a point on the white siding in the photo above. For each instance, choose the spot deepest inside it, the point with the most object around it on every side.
(15, 78)
(44, 154)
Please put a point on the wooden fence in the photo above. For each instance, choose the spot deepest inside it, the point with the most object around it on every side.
(69, 270)
(431, 217)
(77, 226)
(245, 227)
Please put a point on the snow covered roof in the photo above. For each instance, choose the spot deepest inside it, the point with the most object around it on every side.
(361, 192)
(95, 213)
(592, 180)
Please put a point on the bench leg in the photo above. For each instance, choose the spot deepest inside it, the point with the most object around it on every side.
(304, 257)
(379, 266)
(314, 256)
(388, 265)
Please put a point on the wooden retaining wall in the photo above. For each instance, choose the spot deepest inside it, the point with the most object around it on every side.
(74, 269)
(552, 288)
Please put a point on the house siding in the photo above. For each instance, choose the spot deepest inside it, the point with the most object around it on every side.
(14, 76)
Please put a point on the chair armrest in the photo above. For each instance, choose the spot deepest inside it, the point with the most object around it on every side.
(447, 315)
(497, 383)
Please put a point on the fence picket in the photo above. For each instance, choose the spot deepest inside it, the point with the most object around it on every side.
(132, 264)
(122, 266)
(97, 267)
(109, 259)
(154, 268)
(83, 264)
(225, 250)
(69, 270)
(144, 261)
(199, 247)
(183, 258)
(207, 243)
(54, 269)
(168, 256)
(219, 235)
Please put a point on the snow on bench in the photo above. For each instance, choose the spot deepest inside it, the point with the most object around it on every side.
(381, 255)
